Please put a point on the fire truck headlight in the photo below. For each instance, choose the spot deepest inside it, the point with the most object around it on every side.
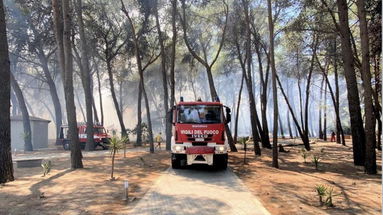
(221, 148)
(178, 148)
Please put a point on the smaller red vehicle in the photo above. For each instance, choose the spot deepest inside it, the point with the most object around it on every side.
(101, 137)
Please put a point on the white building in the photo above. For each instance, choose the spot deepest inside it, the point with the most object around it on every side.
(39, 129)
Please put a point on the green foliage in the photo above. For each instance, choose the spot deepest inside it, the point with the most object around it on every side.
(304, 154)
(116, 143)
(321, 191)
(315, 159)
(46, 165)
(325, 192)
(144, 130)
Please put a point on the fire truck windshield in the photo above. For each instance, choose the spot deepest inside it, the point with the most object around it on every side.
(199, 114)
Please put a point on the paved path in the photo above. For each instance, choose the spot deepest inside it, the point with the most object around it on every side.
(202, 192)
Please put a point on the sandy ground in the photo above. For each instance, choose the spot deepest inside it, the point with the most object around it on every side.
(83, 191)
(291, 189)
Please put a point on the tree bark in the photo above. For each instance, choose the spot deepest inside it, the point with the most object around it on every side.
(237, 112)
(141, 73)
(24, 111)
(325, 114)
(62, 25)
(139, 117)
(289, 125)
(172, 63)
(100, 95)
(115, 102)
(370, 156)
(168, 127)
(320, 132)
(86, 79)
(6, 165)
(274, 85)
(52, 90)
(358, 134)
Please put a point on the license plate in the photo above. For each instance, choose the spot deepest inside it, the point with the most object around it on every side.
(199, 139)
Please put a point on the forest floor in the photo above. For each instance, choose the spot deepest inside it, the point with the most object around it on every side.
(291, 188)
(82, 191)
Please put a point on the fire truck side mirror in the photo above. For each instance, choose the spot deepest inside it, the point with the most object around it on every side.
(228, 115)
(170, 115)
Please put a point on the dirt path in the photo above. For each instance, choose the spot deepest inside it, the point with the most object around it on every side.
(199, 191)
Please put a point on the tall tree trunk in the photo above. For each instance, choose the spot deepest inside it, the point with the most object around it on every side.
(378, 107)
(172, 62)
(289, 125)
(24, 111)
(339, 130)
(139, 117)
(14, 104)
(100, 95)
(141, 73)
(237, 112)
(302, 134)
(325, 114)
(274, 85)
(358, 134)
(263, 81)
(6, 166)
(320, 132)
(52, 90)
(114, 97)
(281, 127)
(86, 79)
(370, 159)
(168, 127)
(95, 112)
(247, 73)
(63, 35)
(80, 106)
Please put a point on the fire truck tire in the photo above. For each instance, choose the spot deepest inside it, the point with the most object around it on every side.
(220, 161)
(66, 146)
(176, 162)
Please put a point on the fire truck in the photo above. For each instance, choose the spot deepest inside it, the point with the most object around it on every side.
(198, 134)
(101, 137)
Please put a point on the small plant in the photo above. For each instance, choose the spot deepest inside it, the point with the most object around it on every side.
(115, 144)
(327, 192)
(315, 159)
(321, 191)
(304, 154)
(46, 165)
(330, 195)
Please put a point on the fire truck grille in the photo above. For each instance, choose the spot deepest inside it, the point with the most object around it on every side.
(191, 138)
(199, 143)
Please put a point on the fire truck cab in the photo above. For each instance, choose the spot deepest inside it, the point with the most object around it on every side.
(198, 134)
(101, 137)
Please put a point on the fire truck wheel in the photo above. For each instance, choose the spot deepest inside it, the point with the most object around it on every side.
(176, 163)
(220, 161)
(66, 146)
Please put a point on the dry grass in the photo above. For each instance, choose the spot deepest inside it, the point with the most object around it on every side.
(82, 191)
(291, 189)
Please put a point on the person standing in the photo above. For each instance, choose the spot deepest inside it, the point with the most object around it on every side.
(332, 136)
(158, 140)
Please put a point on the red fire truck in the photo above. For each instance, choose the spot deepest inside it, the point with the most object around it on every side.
(199, 134)
(101, 137)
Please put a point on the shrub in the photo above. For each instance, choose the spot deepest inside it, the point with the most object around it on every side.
(321, 191)
(315, 159)
(46, 165)
(304, 154)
